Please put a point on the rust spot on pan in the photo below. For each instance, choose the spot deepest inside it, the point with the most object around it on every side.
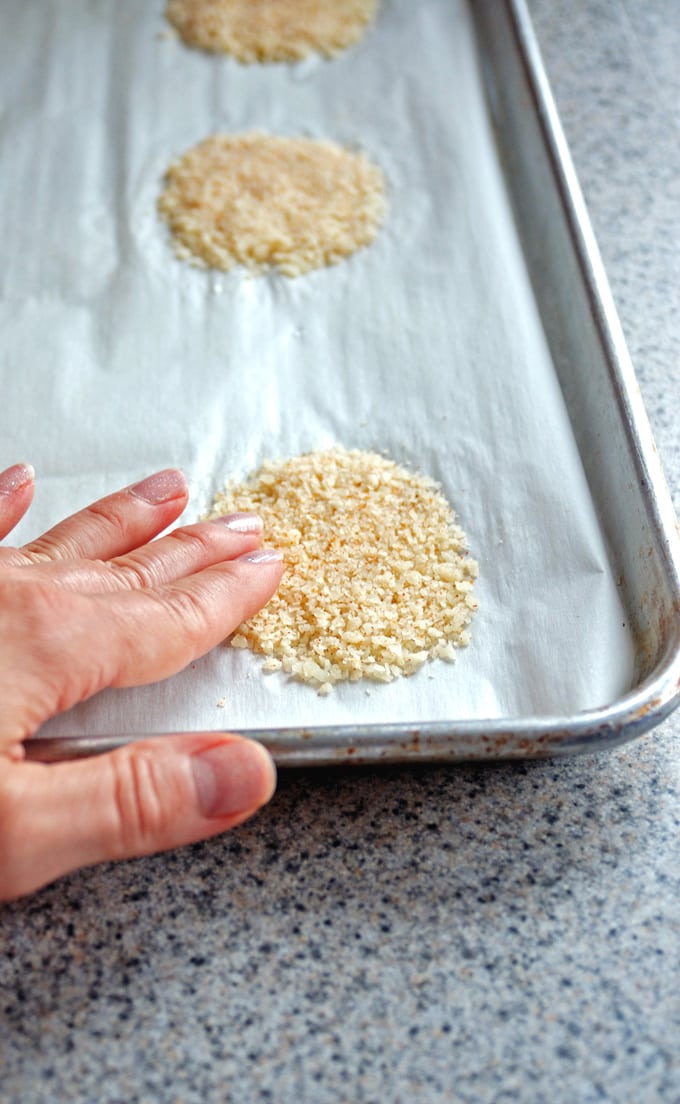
(649, 707)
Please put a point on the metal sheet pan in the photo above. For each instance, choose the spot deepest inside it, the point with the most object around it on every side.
(476, 339)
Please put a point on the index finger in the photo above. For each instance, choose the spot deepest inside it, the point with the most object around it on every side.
(16, 493)
(113, 525)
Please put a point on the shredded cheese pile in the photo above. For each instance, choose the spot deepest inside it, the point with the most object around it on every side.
(264, 201)
(271, 30)
(377, 579)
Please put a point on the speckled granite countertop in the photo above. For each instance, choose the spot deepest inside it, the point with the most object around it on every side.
(429, 934)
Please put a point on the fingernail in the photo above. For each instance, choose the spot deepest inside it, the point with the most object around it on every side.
(161, 487)
(240, 523)
(12, 479)
(263, 555)
(233, 778)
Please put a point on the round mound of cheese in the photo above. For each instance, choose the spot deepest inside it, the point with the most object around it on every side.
(377, 579)
(271, 30)
(264, 201)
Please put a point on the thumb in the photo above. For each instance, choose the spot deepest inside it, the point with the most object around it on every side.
(145, 797)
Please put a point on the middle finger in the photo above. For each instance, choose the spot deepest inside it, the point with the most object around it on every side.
(166, 560)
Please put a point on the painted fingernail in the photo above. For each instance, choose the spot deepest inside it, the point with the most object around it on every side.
(263, 555)
(163, 486)
(12, 479)
(240, 523)
(233, 778)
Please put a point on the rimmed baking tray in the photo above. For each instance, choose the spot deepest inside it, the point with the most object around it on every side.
(476, 339)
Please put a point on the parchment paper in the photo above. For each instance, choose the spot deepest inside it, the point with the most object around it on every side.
(117, 359)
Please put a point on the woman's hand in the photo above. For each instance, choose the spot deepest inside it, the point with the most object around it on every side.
(93, 604)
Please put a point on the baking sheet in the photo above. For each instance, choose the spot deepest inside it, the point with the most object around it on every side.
(117, 359)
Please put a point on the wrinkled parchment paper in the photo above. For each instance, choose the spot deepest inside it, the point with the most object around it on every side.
(117, 359)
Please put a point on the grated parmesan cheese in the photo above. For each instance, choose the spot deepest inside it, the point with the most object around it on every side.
(377, 580)
(264, 201)
(271, 30)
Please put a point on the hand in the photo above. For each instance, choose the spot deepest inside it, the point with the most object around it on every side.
(93, 604)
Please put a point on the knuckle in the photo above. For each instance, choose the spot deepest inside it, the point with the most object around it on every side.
(99, 523)
(134, 574)
(107, 518)
(183, 551)
(13, 557)
(141, 805)
(197, 535)
(198, 540)
(191, 610)
(44, 550)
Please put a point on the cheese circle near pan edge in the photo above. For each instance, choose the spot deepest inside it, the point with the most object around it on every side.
(378, 579)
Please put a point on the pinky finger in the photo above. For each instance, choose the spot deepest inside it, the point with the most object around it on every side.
(16, 493)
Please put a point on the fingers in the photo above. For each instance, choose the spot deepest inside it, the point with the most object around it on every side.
(188, 550)
(73, 645)
(144, 798)
(183, 552)
(16, 493)
(156, 633)
(116, 524)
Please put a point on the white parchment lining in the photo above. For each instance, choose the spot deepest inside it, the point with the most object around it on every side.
(117, 359)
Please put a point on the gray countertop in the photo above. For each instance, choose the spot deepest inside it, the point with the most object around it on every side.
(413, 934)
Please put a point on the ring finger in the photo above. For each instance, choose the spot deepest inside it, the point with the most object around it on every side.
(166, 560)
